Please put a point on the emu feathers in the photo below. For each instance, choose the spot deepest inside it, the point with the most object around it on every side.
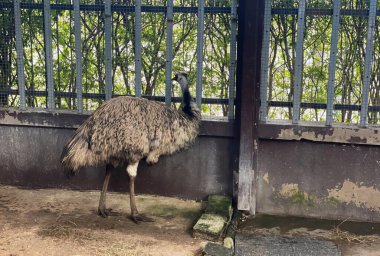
(126, 129)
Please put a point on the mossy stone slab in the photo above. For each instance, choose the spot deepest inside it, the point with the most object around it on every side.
(213, 249)
(209, 226)
(219, 204)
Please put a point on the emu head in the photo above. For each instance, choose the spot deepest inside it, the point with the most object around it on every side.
(181, 78)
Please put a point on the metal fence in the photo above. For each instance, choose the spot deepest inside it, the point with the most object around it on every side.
(321, 62)
(74, 54)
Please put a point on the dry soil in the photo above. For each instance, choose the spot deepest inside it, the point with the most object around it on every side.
(62, 222)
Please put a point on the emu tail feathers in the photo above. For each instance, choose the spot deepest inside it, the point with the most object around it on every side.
(77, 152)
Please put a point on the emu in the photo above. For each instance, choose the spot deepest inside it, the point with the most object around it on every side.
(126, 130)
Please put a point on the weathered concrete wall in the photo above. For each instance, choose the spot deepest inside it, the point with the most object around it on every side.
(294, 177)
(327, 180)
(31, 146)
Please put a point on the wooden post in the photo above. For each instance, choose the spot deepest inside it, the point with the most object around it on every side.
(251, 21)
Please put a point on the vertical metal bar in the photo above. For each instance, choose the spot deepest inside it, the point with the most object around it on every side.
(48, 55)
(265, 60)
(298, 62)
(20, 54)
(368, 62)
(108, 47)
(231, 88)
(201, 9)
(138, 53)
(332, 64)
(78, 56)
(169, 52)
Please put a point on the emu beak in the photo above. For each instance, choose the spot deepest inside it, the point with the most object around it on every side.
(175, 78)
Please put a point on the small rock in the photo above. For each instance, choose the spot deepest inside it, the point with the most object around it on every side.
(228, 242)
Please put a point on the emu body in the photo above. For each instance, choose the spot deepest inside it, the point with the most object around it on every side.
(125, 130)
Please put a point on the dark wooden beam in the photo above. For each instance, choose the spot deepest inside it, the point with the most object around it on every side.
(251, 14)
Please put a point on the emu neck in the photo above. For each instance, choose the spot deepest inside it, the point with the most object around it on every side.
(186, 108)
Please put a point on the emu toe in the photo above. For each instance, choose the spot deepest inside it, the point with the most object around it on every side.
(102, 211)
(137, 218)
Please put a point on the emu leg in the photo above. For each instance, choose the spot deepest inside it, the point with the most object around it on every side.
(135, 216)
(102, 211)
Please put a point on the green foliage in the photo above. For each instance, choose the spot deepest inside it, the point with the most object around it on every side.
(216, 50)
(154, 27)
(316, 58)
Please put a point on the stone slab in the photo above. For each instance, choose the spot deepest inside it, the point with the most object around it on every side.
(250, 245)
(214, 249)
(209, 226)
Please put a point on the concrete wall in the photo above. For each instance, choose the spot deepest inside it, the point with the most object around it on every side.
(328, 180)
(31, 144)
(294, 177)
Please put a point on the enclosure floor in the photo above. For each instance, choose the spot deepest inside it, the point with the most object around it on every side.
(350, 238)
(62, 222)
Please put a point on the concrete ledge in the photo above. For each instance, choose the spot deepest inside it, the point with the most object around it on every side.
(320, 133)
(72, 120)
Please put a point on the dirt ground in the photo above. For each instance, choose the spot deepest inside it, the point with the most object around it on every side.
(62, 222)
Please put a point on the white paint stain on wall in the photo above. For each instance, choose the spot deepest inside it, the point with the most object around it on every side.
(266, 178)
(289, 189)
(361, 196)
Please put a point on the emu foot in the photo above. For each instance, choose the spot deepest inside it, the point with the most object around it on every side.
(105, 212)
(137, 218)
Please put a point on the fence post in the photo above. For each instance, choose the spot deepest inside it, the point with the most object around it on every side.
(248, 97)
(298, 62)
(332, 64)
(368, 62)
(48, 55)
(20, 55)
(231, 87)
(138, 52)
(78, 56)
(108, 48)
(169, 52)
(265, 61)
(200, 32)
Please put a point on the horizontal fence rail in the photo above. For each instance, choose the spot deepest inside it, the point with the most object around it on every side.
(311, 105)
(117, 8)
(177, 9)
(102, 96)
(76, 17)
(317, 66)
